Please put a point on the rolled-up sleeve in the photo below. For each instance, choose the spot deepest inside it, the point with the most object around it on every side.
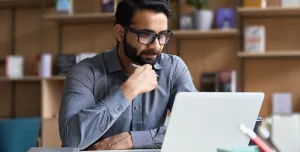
(148, 139)
(82, 120)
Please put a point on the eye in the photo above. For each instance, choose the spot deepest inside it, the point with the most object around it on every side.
(145, 34)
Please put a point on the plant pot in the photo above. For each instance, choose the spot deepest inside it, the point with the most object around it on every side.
(203, 19)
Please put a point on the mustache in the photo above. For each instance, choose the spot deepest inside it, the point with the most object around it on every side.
(152, 52)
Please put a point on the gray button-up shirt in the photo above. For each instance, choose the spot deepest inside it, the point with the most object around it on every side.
(93, 107)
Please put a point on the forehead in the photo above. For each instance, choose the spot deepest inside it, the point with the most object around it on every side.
(147, 19)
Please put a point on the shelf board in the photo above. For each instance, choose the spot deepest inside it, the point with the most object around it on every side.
(270, 54)
(194, 34)
(82, 18)
(269, 11)
(56, 78)
(23, 3)
(32, 78)
(24, 79)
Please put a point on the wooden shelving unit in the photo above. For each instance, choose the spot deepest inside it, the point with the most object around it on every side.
(54, 78)
(269, 11)
(197, 34)
(276, 69)
(270, 54)
(24, 3)
(84, 18)
(24, 79)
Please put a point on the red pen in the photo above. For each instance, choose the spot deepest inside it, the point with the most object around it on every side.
(258, 141)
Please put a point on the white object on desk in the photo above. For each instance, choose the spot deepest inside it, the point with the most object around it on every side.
(286, 132)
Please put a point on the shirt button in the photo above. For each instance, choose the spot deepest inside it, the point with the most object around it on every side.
(120, 108)
(136, 107)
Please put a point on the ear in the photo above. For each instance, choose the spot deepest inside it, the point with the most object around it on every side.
(119, 32)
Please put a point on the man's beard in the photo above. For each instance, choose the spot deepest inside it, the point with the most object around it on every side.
(131, 53)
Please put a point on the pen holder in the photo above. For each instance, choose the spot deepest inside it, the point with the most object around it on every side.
(246, 149)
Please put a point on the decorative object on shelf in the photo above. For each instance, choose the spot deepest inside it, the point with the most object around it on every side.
(219, 81)
(226, 81)
(14, 66)
(44, 65)
(255, 38)
(255, 3)
(290, 3)
(64, 6)
(186, 22)
(64, 62)
(108, 6)
(225, 18)
(82, 56)
(282, 103)
(203, 17)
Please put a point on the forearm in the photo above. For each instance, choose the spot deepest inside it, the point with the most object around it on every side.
(148, 139)
(82, 128)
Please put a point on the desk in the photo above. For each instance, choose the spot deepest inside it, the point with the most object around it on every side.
(65, 149)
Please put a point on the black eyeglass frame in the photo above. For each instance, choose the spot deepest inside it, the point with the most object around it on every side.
(153, 35)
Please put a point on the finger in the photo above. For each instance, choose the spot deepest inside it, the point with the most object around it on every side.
(147, 67)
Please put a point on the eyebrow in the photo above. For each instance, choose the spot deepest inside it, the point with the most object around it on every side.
(148, 30)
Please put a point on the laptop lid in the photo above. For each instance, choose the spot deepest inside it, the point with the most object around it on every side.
(204, 121)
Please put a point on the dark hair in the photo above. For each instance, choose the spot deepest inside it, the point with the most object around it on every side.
(127, 8)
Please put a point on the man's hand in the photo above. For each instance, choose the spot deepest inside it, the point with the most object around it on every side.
(142, 80)
(121, 141)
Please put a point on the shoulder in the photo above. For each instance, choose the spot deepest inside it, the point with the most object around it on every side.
(171, 61)
(86, 67)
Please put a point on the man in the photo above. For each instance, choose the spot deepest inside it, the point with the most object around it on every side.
(108, 104)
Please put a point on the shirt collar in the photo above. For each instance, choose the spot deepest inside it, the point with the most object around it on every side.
(113, 62)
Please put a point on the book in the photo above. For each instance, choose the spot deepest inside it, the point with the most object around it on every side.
(226, 81)
(208, 82)
(225, 18)
(64, 6)
(290, 3)
(14, 66)
(254, 3)
(44, 65)
(254, 38)
(282, 103)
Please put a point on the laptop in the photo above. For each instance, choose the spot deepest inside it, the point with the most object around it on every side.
(202, 121)
(205, 121)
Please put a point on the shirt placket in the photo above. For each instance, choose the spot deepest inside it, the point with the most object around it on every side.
(137, 113)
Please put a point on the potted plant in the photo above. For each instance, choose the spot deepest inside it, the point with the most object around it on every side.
(203, 16)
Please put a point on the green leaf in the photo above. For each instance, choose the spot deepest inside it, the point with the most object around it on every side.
(199, 4)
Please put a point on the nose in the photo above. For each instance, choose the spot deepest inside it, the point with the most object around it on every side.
(155, 45)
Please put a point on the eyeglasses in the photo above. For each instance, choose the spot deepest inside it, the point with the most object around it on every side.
(149, 37)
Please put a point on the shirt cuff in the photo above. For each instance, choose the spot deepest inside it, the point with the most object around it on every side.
(141, 139)
(116, 103)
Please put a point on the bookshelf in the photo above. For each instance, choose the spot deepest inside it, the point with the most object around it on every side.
(268, 11)
(270, 54)
(202, 51)
(274, 70)
(196, 34)
(24, 3)
(83, 18)
(23, 79)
